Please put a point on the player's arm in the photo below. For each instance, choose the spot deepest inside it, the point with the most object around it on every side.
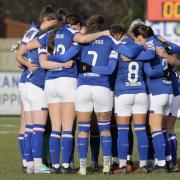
(109, 69)
(153, 72)
(169, 58)
(129, 50)
(86, 38)
(45, 64)
(69, 54)
(145, 55)
(30, 34)
(172, 47)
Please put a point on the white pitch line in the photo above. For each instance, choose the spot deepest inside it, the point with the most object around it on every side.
(8, 132)
(8, 125)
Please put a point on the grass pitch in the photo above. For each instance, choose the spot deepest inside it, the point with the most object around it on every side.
(10, 163)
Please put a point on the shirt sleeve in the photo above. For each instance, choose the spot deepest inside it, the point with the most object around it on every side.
(109, 69)
(42, 50)
(130, 50)
(44, 38)
(29, 35)
(70, 53)
(153, 72)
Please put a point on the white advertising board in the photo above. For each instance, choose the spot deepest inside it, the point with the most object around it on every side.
(169, 30)
(9, 93)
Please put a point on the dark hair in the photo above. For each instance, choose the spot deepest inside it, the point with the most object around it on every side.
(144, 31)
(95, 23)
(74, 19)
(47, 12)
(62, 14)
(117, 29)
(61, 17)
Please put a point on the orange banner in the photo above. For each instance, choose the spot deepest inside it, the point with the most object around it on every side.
(163, 10)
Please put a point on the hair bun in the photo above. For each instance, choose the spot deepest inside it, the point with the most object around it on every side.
(48, 8)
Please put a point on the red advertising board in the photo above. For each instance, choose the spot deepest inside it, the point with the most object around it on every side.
(163, 10)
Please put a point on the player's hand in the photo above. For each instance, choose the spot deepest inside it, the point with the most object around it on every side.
(20, 66)
(161, 38)
(68, 64)
(32, 67)
(161, 52)
(106, 33)
(124, 58)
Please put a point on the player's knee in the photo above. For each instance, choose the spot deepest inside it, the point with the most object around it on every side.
(83, 128)
(103, 115)
(105, 133)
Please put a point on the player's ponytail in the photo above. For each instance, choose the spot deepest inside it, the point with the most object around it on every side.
(62, 14)
(144, 31)
(95, 23)
(61, 21)
(47, 12)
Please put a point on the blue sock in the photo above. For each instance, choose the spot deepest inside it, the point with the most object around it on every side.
(142, 141)
(159, 146)
(38, 140)
(123, 143)
(27, 143)
(168, 147)
(21, 146)
(173, 143)
(54, 146)
(106, 141)
(67, 147)
(82, 143)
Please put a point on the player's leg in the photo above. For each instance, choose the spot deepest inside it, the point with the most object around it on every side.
(68, 118)
(54, 107)
(103, 103)
(28, 132)
(84, 108)
(39, 117)
(171, 131)
(151, 153)
(123, 109)
(68, 93)
(167, 109)
(155, 120)
(139, 118)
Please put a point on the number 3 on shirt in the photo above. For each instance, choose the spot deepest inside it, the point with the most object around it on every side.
(133, 68)
(95, 55)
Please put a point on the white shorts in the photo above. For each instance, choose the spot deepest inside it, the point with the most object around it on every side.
(128, 104)
(149, 102)
(34, 98)
(61, 89)
(22, 91)
(161, 104)
(93, 97)
(175, 104)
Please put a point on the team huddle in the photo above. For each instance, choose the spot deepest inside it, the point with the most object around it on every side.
(101, 81)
